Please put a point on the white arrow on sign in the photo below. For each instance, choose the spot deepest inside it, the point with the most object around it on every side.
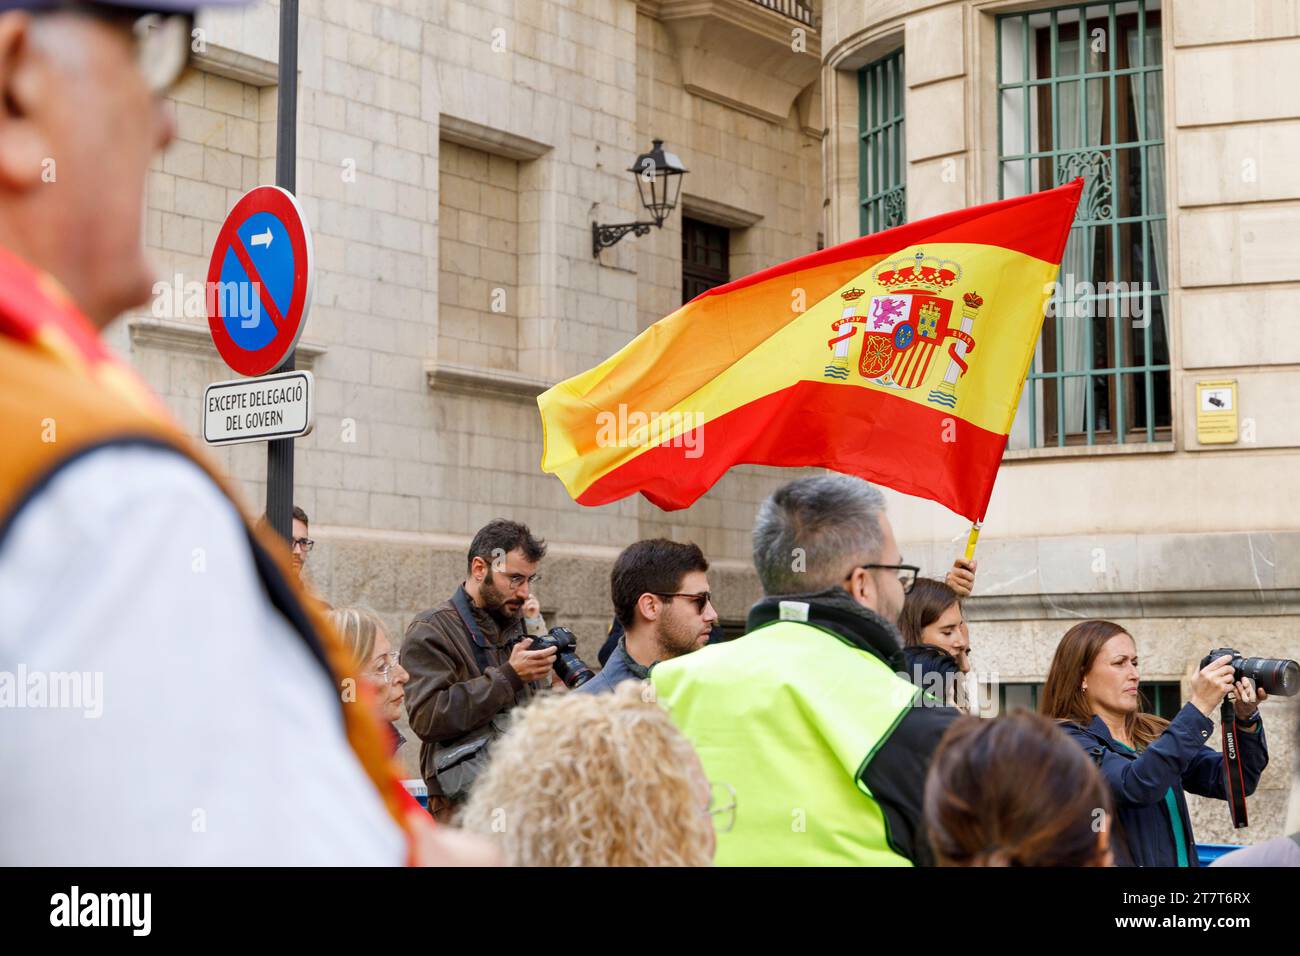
(262, 238)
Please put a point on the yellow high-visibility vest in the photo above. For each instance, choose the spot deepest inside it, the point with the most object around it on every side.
(789, 715)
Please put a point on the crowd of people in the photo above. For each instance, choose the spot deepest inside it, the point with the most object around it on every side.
(242, 722)
(812, 739)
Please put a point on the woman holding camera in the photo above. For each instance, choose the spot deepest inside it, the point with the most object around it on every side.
(1092, 689)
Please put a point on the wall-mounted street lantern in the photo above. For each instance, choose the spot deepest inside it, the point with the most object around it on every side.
(659, 181)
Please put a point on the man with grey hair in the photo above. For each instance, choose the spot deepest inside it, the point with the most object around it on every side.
(806, 719)
(807, 529)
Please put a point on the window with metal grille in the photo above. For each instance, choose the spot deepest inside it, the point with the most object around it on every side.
(705, 257)
(1162, 698)
(1080, 93)
(882, 173)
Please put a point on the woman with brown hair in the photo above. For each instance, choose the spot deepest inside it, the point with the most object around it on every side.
(1092, 690)
(1015, 792)
(936, 644)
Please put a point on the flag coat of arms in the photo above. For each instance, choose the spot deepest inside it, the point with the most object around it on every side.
(898, 357)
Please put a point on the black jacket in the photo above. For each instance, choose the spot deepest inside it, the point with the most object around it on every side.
(895, 774)
(1178, 759)
(932, 669)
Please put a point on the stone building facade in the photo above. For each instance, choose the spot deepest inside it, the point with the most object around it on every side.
(1190, 545)
(452, 157)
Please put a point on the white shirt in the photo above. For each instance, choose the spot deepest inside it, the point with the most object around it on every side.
(219, 738)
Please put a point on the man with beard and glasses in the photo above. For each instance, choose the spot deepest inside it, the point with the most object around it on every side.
(661, 598)
(470, 662)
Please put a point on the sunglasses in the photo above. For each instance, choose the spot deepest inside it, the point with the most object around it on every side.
(701, 600)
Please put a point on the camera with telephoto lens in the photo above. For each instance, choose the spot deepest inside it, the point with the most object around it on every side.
(568, 665)
(1272, 675)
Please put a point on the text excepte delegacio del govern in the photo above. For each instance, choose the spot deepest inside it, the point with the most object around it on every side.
(262, 404)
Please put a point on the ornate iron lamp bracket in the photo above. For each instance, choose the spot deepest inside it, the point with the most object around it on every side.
(604, 236)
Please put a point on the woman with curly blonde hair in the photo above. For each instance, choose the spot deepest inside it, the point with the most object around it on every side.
(595, 780)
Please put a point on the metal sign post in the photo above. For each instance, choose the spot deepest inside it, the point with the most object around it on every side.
(279, 453)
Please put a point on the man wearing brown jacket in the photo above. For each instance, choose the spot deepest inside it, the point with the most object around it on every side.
(470, 662)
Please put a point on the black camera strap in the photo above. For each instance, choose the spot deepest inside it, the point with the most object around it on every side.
(460, 601)
(1235, 782)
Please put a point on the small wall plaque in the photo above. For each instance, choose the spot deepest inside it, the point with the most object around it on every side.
(1216, 412)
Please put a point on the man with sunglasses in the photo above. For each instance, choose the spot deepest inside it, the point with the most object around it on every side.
(470, 662)
(123, 554)
(806, 716)
(661, 598)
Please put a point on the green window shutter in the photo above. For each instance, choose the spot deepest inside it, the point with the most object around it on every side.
(882, 169)
(1080, 93)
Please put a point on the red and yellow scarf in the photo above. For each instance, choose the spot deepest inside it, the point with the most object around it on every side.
(37, 312)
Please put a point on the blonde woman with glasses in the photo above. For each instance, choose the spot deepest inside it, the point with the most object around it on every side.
(376, 662)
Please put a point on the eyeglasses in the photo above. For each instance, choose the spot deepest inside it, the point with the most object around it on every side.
(722, 806)
(701, 600)
(516, 581)
(906, 573)
(162, 40)
(306, 544)
(162, 48)
(385, 670)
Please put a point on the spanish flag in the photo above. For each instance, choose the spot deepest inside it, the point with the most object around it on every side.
(898, 357)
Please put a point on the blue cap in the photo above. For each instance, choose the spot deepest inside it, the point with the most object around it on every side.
(157, 6)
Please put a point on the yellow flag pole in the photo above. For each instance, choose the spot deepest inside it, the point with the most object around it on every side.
(974, 537)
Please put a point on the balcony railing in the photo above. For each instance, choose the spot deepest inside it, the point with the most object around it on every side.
(793, 9)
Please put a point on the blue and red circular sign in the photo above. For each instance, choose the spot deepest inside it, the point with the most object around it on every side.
(260, 281)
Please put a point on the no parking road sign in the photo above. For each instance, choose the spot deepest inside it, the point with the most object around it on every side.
(260, 281)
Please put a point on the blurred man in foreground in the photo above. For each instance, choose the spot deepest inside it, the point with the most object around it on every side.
(174, 695)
